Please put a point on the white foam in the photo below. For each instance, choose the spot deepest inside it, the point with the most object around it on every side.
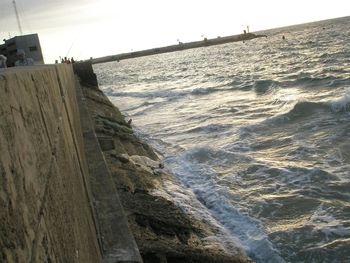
(342, 104)
(168, 94)
(215, 205)
(184, 198)
(323, 221)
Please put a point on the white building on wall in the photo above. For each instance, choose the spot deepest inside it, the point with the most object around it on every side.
(29, 43)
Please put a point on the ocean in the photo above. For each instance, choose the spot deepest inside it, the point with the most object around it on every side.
(256, 135)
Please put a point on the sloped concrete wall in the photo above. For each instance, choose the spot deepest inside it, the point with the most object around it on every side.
(117, 242)
(46, 211)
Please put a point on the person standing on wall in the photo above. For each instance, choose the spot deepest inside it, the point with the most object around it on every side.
(3, 61)
(23, 60)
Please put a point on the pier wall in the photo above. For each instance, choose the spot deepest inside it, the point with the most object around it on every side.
(47, 208)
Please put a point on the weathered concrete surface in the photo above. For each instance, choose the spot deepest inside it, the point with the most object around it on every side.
(117, 241)
(163, 232)
(46, 211)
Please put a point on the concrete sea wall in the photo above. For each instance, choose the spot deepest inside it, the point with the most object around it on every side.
(48, 212)
(45, 209)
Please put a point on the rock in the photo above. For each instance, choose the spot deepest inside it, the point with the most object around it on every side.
(106, 143)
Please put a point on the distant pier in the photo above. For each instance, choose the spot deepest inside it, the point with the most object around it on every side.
(178, 47)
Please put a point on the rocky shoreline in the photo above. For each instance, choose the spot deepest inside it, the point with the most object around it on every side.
(163, 232)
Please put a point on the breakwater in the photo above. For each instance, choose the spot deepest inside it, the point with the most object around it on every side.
(179, 47)
(77, 185)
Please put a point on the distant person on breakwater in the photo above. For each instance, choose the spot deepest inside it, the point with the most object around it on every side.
(23, 60)
(66, 60)
(3, 60)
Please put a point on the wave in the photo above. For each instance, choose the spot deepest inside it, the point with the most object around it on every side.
(306, 80)
(204, 91)
(301, 109)
(329, 81)
(260, 87)
(206, 155)
(143, 105)
(306, 108)
(265, 86)
(184, 198)
(198, 169)
(195, 169)
(342, 104)
(169, 94)
(209, 128)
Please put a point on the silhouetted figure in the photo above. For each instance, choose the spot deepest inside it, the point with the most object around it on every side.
(23, 60)
(3, 60)
(56, 61)
(72, 60)
(62, 60)
(283, 37)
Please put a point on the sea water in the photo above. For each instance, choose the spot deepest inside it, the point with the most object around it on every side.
(256, 133)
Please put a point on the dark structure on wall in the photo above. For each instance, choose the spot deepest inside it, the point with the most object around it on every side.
(29, 43)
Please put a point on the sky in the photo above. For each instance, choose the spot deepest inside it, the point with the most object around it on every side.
(95, 28)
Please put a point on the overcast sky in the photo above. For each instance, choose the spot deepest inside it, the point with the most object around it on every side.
(93, 28)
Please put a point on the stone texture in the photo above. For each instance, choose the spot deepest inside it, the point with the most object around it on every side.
(106, 143)
(45, 207)
(117, 241)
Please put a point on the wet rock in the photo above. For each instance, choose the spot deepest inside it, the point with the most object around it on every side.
(106, 143)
